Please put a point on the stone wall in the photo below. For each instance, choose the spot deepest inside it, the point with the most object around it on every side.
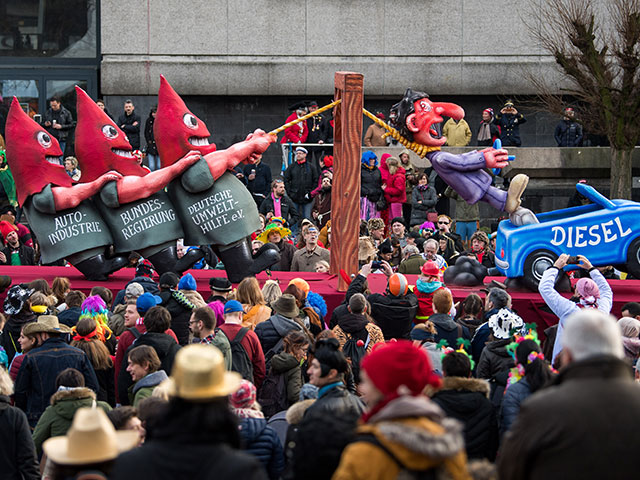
(266, 47)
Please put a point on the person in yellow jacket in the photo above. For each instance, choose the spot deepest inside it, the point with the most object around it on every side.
(457, 132)
(403, 433)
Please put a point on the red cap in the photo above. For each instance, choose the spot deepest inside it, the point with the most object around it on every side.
(399, 364)
(6, 228)
(328, 161)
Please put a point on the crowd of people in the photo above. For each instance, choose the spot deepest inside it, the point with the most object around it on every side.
(264, 382)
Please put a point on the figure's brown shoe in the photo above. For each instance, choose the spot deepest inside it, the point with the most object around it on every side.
(516, 189)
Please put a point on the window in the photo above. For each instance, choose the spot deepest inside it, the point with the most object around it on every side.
(41, 28)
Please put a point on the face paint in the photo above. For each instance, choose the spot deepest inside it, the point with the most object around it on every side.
(176, 129)
(100, 145)
(32, 155)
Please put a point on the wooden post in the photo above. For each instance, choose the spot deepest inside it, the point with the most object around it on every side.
(345, 195)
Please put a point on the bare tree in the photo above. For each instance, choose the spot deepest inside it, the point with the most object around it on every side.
(596, 46)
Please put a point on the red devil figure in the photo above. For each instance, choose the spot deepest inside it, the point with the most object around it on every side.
(214, 206)
(67, 225)
(140, 215)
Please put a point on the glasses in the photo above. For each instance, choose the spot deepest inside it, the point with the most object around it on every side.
(443, 223)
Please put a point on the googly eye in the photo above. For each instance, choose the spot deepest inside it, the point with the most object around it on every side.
(109, 131)
(190, 121)
(44, 139)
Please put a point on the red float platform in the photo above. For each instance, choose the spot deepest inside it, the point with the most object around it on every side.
(529, 305)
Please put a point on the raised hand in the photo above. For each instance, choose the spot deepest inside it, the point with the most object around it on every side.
(495, 158)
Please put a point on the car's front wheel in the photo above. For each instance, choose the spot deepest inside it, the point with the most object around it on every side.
(535, 265)
(633, 258)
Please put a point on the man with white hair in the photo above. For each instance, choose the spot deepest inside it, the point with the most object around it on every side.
(585, 424)
(412, 261)
(431, 248)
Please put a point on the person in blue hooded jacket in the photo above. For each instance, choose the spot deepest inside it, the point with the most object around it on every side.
(370, 186)
(257, 438)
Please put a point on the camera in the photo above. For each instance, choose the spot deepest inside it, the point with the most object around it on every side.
(375, 265)
(573, 260)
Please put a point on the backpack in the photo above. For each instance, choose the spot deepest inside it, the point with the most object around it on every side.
(135, 332)
(276, 349)
(355, 354)
(405, 473)
(273, 394)
(240, 361)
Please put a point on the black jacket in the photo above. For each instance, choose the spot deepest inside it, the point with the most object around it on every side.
(63, 118)
(152, 149)
(180, 309)
(447, 329)
(262, 183)
(339, 402)
(494, 365)
(509, 124)
(466, 400)
(394, 315)
(422, 201)
(370, 183)
(271, 331)
(18, 453)
(338, 312)
(11, 332)
(287, 209)
(26, 254)
(300, 179)
(174, 460)
(106, 386)
(355, 325)
(126, 123)
(262, 442)
(166, 348)
(568, 134)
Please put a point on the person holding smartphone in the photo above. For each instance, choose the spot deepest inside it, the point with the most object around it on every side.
(58, 122)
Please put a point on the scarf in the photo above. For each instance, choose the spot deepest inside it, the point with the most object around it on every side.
(428, 287)
(277, 205)
(484, 133)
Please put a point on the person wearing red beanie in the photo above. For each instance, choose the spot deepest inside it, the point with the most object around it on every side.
(14, 251)
(403, 431)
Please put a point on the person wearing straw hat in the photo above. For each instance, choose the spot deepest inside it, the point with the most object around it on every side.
(36, 380)
(198, 437)
(90, 445)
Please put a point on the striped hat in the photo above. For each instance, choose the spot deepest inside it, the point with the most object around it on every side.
(398, 285)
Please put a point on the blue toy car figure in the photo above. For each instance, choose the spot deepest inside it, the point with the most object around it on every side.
(607, 232)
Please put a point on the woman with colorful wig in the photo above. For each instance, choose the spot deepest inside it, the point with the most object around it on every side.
(94, 307)
(86, 339)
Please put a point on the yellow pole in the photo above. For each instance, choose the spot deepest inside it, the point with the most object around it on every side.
(301, 119)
